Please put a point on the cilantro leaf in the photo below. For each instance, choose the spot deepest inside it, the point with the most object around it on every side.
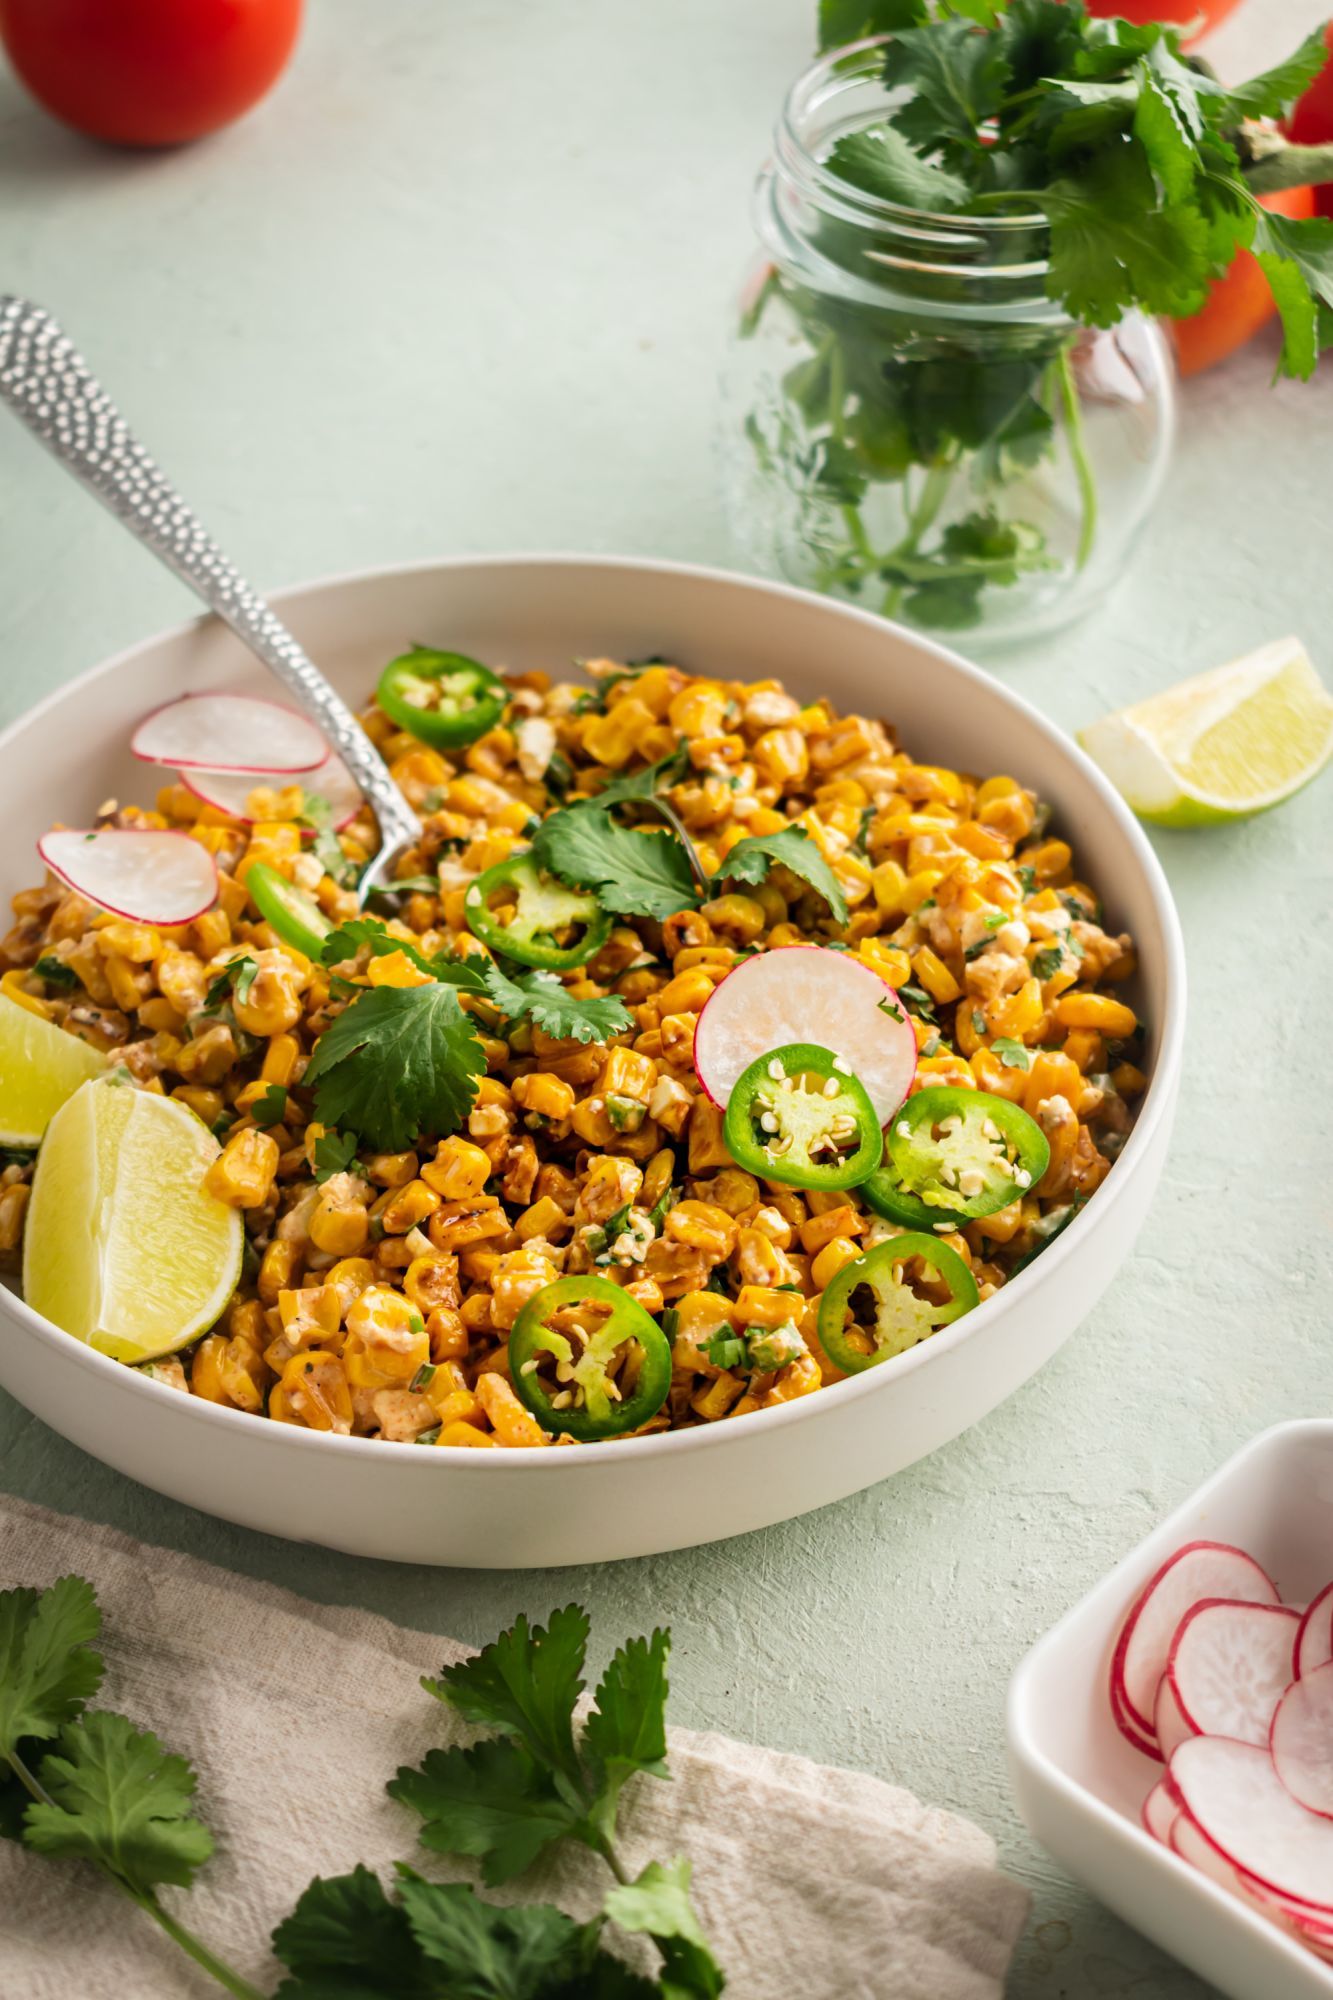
(490, 1953)
(884, 164)
(346, 1939)
(397, 1063)
(658, 1902)
(494, 1802)
(625, 1732)
(122, 1801)
(335, 1153)
(47, 1670)
(553, 1008)
(1113, 247)
(645, 784)
(525, 1684)
(1011, 1053)
(237, 976)
(632, 873)
(1276, 90)
(271, 1108)
(1297, 260)
(843, 21)
(956, 78)
(354, 934)
(1048, 960)
(750, 861)
(55, 971)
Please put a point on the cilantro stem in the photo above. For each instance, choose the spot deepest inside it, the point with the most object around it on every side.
(1078, 451)
(194, 1947)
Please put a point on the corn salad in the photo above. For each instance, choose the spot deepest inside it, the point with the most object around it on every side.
(377, 1299)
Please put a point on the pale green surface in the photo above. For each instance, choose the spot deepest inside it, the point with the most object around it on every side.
(459, 286)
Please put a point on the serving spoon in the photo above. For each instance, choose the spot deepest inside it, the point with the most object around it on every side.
(50, 388)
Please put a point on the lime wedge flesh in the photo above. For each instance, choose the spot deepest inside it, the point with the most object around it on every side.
(123, 1247)
(41, 1067)
(1223, 745)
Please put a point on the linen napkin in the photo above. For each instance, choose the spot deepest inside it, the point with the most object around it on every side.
(808, 1880)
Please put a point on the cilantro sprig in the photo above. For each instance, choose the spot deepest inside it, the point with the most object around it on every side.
(1104, 153)
(88, 1785)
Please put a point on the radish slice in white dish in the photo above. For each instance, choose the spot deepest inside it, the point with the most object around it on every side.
(1169, 1725)
(1186, 1840)
(1142, 1739)
(1160, 1812)
(148, 876)
(1228, 1666)
(1235, 1797)
(1302, 1740)
(1199, 1569)
(230, 791)
(229, 732)
(1314, 1641)
(796, 994)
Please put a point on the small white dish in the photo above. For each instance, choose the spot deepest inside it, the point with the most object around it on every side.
(1080, 1785)
(523, 1509)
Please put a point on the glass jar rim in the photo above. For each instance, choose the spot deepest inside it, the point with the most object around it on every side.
(929, 231)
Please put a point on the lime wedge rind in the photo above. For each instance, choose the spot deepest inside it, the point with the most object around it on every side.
(40, 1069)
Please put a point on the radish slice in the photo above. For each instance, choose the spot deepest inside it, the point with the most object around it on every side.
(1235, 1797)
(1186, 1840)
(229, 732)
(1142, 1739)
(1160, 1812)
(1199, 1569)
(1169, 1724)
(139, 873)
(1302, 1740)
(229, 791)
(1228, 1666)
(793, 994)
(1314, 1641)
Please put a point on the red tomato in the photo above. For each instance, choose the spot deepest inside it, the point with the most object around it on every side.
(148, 72)
(1176, 13)
(1311, 123)
(1239, 304)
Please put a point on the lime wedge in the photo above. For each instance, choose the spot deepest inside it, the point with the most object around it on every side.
(123, 1247)
(40, 1068)
(1223, 745)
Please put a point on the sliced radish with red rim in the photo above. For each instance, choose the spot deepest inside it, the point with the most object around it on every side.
(1233, 1794)
(229, 791)
(151, 877)
(1169, 1725)
(1160, 1812)
(1302, 1741)
(1228, 1666)
(1142, 1739)
(230, 732)
(1186, 1840)
(1199, 1570)
(797, 993)
(1314, 1641)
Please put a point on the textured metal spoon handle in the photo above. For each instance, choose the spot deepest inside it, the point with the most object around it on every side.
(48, 385)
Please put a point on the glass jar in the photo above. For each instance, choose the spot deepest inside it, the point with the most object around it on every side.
(908, 420)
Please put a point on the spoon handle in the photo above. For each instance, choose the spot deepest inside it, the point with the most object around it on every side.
(49, 387)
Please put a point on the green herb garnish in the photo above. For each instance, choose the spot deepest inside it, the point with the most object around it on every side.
(1011, 1053)
(55, 971)
(793, 849)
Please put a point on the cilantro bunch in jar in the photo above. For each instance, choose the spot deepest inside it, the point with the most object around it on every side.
(948, 398)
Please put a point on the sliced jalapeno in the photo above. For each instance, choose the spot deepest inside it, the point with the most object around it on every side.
(296, 917)
(544, 912)
(954, 1153)
(870, 1312)
(799, 1116)
(588, 1361)
(444, 698)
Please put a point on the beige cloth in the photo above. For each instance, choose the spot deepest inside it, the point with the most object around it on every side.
(810, 1881)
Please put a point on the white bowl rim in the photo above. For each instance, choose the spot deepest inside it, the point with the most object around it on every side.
(1156, 1102)
(1128, 1577)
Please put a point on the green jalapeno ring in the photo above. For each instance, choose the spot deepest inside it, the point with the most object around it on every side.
(543, 907)
(600, 1415)
(903, 1319)
(462, 698)
(963, 1173)
(771, 1089)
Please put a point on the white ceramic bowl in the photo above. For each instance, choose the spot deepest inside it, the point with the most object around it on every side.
(521, 1509)
(1080, 1786)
